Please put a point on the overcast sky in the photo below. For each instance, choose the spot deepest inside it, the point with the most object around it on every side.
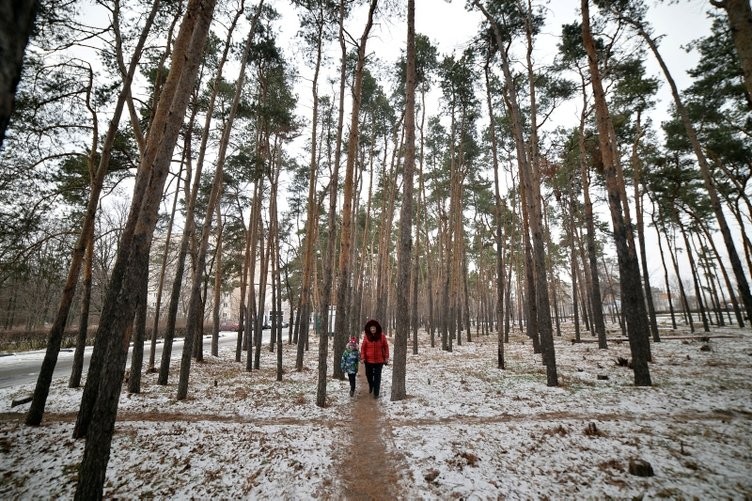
(451, 27)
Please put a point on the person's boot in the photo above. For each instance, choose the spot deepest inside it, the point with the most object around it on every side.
(352, 392)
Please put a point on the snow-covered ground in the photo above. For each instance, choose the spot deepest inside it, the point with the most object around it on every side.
(467, 429)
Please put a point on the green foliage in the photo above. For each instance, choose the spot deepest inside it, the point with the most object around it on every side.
(426, 63)
(717, 104)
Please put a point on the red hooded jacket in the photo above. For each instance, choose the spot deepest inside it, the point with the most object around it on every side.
(374, 349)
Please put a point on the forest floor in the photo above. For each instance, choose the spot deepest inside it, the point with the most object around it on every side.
(466, 430)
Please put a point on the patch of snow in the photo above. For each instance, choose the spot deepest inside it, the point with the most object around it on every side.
(467, 429)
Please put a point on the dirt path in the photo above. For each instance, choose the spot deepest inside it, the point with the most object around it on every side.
(385, 431)
(368, 470)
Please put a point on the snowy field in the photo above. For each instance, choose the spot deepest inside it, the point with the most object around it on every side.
(466, 431)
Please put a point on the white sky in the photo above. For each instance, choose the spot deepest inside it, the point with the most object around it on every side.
(450, 27)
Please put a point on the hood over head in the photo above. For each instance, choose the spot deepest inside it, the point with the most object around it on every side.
(367, 328)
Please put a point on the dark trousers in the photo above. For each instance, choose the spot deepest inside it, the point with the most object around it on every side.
(351, 377)
(373, 375)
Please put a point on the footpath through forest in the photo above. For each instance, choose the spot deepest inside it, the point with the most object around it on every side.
(368, 469)
(467, 430)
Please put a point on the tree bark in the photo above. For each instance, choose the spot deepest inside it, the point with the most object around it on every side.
(404, 252)
(498, 225)
(342, 320)
(637, 173)
(529, 180)
(98, 414)
(36, 410)
(715, 202)
(16, 24)
(629, 274)
(739, 15)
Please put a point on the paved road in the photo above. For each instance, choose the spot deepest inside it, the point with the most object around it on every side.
(23, 368)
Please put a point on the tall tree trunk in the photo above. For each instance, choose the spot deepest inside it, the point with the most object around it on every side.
(665, 272)
(745, 36)
(710, 276)
(331, 255)
(83, 326)
(508, 302)
(42, 389)
(323, 334)
(533, 181)
(695, 279)
(740, 19)
(531, 188)
(384, 254)
(191, 200)
(637, 173)
(431, 327)
(165, 258)
(685, 302)
(16, 27)
(217, 284)
(466, 300)
(353, 301)
(585, 281)
(137, 351)
(594, 283)
(261, 310)
(453, 235)
(404, 250)
(88, 260)
(498, 224)
(629, 272)
(726, 278)
(177, 282)
(311, 223)
(104, 386)
(342, 320)
(446, 318)
(574, 272)
(275, 336)
(414, 318)
(251, 314)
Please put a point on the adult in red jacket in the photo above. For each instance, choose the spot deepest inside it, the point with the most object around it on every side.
(374, 352)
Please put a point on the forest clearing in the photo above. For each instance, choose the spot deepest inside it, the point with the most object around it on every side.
(466, 429)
